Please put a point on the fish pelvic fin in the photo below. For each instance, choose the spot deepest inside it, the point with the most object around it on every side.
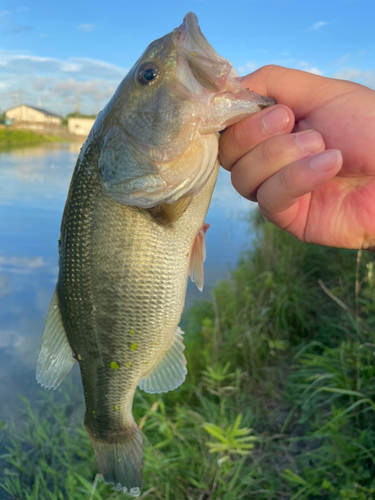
(198, 256)
(171, 370)
(120, 458)
(55, 356)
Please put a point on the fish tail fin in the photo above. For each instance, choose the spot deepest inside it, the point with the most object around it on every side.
(120, 458)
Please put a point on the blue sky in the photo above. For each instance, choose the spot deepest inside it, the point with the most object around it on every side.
(56, 51)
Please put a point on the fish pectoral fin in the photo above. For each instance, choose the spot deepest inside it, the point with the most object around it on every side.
(171, 370)
(165, 213)
(198, 256)
(55, 356)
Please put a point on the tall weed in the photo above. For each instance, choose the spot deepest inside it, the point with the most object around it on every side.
(279, 401)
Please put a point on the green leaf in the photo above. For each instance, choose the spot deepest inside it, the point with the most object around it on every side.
(292, 477)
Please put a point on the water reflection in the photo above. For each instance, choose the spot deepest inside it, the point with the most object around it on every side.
(33, 187)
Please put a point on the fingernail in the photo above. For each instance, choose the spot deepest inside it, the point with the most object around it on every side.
(309, 141)
(276, 121)
(325, 161)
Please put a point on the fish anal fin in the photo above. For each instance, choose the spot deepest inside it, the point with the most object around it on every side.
(165, 213)
(120, 458)
(198, 256)
(55, 356)
(171, 370)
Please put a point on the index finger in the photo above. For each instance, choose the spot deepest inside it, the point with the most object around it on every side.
(245, 135)
(299, 90)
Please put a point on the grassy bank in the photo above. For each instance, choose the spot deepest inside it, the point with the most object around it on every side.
(279, 402)
(12, 138)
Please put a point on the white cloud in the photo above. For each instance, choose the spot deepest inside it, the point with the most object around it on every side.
(289, 62)
(366, 77)
(317, 25)
(342, 59)
(9, 338)
(23, 341)
(40, 84)
(11, 62)
(71, 67)
(249, 67)
(305, 66)
(86, 27)
(348, 74)
(5, 285)
(53, 83)
(20, 265)
(15, 29)
(314, 71)
(68, 90)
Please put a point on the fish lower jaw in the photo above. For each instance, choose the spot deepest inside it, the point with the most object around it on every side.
(228, 108)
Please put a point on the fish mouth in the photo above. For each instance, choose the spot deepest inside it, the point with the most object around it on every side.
(208, 67)
(192, 38)
(211, 80)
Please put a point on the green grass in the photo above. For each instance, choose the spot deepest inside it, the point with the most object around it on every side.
(11, 138)
(279, 402)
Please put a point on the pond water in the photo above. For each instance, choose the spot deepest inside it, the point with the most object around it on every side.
(33, 188)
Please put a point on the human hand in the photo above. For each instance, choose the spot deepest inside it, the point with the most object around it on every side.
(309, 161)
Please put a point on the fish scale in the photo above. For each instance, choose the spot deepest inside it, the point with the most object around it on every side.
(132, 231)
(137, 281)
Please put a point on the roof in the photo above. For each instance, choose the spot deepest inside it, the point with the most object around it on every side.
(41, 110)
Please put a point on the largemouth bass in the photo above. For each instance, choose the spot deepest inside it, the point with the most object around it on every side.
(132, 231)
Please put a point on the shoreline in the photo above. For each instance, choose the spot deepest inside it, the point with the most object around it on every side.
(11, 138)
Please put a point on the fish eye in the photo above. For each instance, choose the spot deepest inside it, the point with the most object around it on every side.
(148, 73)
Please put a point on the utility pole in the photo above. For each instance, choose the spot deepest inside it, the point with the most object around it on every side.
(20, 97)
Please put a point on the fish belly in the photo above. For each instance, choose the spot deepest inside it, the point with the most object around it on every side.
(121, 291)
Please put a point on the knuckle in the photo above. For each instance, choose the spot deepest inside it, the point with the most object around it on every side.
(270, 152)
(286, 179)
(238, 137)
(267, 71)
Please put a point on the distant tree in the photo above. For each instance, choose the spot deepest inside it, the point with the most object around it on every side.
(79, 115)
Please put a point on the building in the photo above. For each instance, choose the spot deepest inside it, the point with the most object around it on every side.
(32, 117)
(80, 126)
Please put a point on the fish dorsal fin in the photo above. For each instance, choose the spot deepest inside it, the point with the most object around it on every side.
(198, 256)
(55, 356)
(165, 213)
(171, 370)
